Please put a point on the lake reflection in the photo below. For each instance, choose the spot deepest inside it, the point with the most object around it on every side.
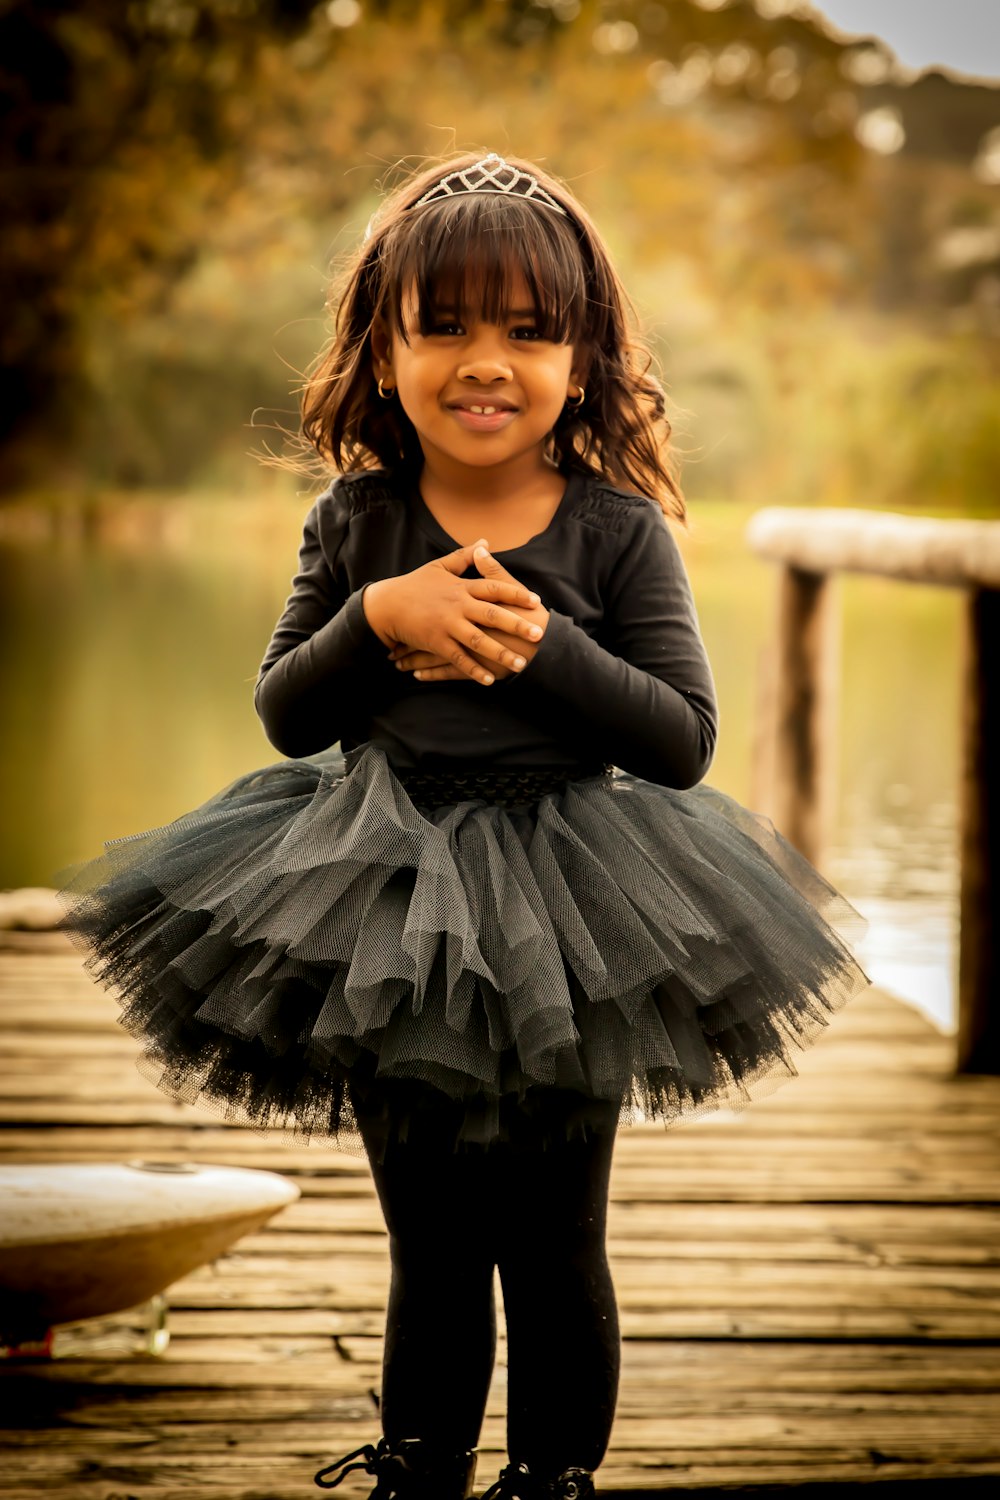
(127, 679)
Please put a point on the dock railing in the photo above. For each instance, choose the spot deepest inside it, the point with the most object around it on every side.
(812, 546)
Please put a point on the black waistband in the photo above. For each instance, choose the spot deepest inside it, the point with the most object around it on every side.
(504, 787)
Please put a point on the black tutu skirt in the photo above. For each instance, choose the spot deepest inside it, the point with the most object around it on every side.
(319, 935)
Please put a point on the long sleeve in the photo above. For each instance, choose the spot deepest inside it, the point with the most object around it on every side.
(621, 674)
(645, 700)
(319, 667)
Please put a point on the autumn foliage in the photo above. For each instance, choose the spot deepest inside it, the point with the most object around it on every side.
(178, 176)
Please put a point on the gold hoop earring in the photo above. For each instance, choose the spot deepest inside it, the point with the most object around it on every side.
(386, 395)
(581, 396)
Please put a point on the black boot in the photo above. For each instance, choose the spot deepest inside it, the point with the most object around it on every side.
(409, 1470)
(516, 1482)
(573, 1484)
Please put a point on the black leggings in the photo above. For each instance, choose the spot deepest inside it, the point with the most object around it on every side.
(540, 1216)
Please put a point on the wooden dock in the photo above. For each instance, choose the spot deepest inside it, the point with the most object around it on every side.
(809, 1292)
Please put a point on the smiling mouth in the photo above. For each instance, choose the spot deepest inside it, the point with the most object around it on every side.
(483, 409)
(483, 416)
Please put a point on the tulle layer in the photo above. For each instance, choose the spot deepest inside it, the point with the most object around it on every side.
(309, 937)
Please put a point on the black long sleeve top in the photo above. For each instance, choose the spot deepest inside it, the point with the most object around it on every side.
(621, 675)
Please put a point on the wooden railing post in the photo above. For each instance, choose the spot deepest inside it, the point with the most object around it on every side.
(804, 710)
(811, 545)
(979, 953)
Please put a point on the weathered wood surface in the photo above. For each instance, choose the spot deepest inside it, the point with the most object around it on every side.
(793, 771)
(810, 1291)
(922, 549)
(979, 895)
(806, 710)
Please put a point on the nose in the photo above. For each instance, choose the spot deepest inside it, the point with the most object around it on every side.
(485, 358)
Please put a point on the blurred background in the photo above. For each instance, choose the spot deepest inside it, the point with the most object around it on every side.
(806, 214)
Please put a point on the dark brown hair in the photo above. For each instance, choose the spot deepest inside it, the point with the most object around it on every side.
(621, 431)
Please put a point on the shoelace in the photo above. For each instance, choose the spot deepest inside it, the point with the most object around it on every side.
(513, 1484)
(369, 1463)
(576, 1483)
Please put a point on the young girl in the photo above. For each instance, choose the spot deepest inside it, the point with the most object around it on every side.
(507, 916)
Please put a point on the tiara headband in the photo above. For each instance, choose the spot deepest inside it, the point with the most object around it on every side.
(491, 175)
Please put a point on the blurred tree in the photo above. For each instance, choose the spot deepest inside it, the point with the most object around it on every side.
(162, 160)
(114, 126)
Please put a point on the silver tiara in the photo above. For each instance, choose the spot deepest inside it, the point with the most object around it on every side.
(491, 175)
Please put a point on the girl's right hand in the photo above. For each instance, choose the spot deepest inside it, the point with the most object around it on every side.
(434, 609)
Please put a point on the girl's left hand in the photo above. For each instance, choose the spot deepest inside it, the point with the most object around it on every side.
(427, 667)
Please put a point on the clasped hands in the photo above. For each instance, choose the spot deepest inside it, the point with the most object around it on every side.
(443, 627)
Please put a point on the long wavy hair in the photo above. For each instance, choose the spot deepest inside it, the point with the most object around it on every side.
(620, 433)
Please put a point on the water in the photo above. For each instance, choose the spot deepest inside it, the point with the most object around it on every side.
(906, 883)
(127, 674)
(892, 846)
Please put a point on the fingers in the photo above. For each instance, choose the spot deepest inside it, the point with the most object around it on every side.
(468, 667)
(481, 626)
(483, 645)
(439, 674)
(497, 583)
(461, 558)
(408, 660)
(430, 666)
(488, 565)
(502, 591)
(500, 585)
(491, 658)
(449, 661)
(426, 666)
(497, 618)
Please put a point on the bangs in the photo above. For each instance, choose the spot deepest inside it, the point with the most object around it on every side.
(471, 253)
(490, 256)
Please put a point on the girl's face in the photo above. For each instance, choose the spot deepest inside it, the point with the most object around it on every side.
(481, 395)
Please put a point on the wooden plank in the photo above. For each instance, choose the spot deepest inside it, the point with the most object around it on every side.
(827, 1425)
(805, 714)
(918, 1377)
(763, 1122)
(36, 1026)
(765, 1371)
(820, 1425)
(978, 1048)
(803, 1286)
(955, 1183)
(256, 1466)
(921, 549)
(707, 1280)
(56, 1088)
(325, 1248)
